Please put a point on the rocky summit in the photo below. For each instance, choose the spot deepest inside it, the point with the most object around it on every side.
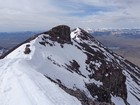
(67, 67)
(60, 34)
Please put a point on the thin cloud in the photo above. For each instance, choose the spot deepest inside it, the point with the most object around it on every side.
(19, 15)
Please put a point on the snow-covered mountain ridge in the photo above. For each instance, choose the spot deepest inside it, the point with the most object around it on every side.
(63, 67)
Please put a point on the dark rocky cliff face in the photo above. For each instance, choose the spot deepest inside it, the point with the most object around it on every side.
(60, 34)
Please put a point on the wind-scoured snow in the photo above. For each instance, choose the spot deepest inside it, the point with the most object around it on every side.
(22, 85)
(117, 100)
(133, 90)
(75, 33)
(42, 60)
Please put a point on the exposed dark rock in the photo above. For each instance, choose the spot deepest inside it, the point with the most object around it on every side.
(74, 66)
(60, 34)
(27, 49)
(79, 94)
(109, 72)
(102, 95)
(28, 45)
(42, 43)
(54, 62)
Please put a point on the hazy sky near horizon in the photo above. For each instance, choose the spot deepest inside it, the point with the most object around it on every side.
(24, 15)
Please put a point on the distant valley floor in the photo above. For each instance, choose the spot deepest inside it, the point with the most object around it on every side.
(126, 47)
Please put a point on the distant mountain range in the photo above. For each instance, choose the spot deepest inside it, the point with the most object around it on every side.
(11, 39)
(127, 33)
(129, 38)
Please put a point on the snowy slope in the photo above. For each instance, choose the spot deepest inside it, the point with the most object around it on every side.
(22, 85)
(76, 66)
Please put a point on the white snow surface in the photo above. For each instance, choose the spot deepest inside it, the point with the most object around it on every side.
(75, 34)
(38, 60)
(22, 85)
(22, 80)
(117, 100)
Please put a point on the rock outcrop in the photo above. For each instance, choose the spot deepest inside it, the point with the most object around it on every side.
(27, 49)
(60, 34)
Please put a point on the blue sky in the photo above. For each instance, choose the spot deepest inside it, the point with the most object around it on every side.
(23, 15)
